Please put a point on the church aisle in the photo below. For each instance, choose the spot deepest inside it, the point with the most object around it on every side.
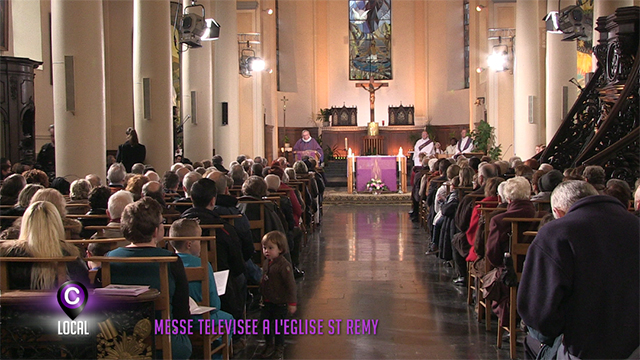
(368, 262)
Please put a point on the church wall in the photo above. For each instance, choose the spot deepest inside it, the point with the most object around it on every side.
(118, 70)
(296, 63)
(421, 68)
(246, 88)
(43, 89)
(499, 101)
(449, 103)
(269, 107)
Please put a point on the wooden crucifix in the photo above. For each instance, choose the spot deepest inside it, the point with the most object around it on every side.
(372, 87)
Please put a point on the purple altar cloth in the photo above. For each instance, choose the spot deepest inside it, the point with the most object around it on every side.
(384, 168)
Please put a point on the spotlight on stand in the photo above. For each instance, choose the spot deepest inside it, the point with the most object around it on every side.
(499, 58)
(569, 21)
(212, 32)
(249, 62)
(194, 28)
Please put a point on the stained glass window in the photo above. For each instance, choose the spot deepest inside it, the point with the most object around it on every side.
(370, 39)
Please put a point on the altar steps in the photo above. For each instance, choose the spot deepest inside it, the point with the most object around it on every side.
(335, 172)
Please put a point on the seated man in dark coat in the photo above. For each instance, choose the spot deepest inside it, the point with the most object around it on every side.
(580, 280)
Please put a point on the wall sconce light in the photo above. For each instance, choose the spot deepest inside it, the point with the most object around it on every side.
(480, 69)
(249, 62)
(480, 7)
(269, 11)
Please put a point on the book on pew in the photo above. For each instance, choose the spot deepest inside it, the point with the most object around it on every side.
(122, 290)
(221, 278)
(196, 309)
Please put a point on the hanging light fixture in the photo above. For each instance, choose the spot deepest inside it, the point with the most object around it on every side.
(249, 62)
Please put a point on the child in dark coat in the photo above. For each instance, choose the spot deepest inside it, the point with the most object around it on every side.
(278, 288)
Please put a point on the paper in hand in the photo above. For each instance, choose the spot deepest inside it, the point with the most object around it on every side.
(221, 278)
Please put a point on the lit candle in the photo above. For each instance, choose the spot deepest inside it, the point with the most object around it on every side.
(349, 153)
(346, 143)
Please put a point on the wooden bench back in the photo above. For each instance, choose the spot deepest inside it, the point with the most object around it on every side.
(60, 262)
(162, 303)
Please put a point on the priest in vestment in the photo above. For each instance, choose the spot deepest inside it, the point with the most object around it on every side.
(309, 144)
(423, 145)
(465, 145)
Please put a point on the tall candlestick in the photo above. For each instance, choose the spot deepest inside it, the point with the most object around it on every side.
(346, 146)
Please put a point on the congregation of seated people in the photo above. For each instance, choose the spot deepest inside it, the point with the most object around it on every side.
(39, 215)
(586, 232)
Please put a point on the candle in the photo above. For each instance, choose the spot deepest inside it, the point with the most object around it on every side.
(346, 146)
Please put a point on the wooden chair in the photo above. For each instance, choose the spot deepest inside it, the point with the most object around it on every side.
(231, 218)
(483, 307)
(61, 267)
(518, 247)
(82, 216)
(162, 303)
(201, 274)
(257, 226)
(113, 242)
(212, 253)
(542, 205)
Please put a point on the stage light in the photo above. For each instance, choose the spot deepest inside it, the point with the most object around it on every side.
(499, 58)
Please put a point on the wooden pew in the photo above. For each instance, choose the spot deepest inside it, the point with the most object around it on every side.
(162, 303)
(212, 253)
(61, 267)
(518, 247)
(474, 284)
(231, 218)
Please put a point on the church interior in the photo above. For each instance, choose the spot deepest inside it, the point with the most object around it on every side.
(545, 82)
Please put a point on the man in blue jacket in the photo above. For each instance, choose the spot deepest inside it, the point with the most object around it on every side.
(580, 280)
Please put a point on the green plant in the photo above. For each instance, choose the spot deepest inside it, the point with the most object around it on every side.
(323, 115)
(483, 137)
(495, 153)
(329, 152)
(286, 139)
(413, 137)
(430, 130)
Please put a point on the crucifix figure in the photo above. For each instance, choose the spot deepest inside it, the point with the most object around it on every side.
(372, 87)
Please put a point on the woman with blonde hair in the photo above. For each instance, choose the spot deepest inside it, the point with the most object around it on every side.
(40, 236)
(79, 194)
(53, 196)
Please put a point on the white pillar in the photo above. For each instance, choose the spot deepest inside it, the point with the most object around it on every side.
(561, 65)
(197, 76)
(152, 60)
(79, 110)
(226, 73)
(606, 8)
(527, 78)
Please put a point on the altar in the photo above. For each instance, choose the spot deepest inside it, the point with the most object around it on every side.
(391, 170)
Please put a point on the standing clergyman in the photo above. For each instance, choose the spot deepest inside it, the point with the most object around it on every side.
(423, 145)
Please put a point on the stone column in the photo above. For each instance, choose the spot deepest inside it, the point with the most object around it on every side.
(197, 76)
(226, 73)
(152, 60)
(78, 87)
(561, 62)
(527, 78)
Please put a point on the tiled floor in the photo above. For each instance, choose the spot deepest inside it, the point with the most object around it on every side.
(368, 262)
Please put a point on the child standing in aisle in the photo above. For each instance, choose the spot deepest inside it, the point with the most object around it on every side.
(278, 288)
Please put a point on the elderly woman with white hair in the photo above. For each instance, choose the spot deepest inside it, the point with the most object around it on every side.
(516, 192)
(79, 195)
